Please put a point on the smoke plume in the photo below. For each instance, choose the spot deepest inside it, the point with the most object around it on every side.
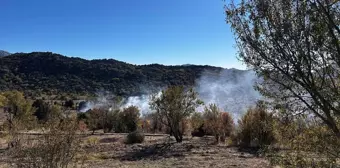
(231, 90)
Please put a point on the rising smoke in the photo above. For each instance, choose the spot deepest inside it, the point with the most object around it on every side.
(231, 90)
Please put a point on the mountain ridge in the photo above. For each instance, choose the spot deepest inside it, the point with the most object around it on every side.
(54, 73)
(4, 53)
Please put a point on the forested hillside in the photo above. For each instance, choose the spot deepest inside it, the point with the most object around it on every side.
(46, 72)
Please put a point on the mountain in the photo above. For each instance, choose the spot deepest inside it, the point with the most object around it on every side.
(47, 72)
(4, 53)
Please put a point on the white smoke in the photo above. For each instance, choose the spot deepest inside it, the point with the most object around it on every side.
(103, 100)
(142, 102)
(231, 90)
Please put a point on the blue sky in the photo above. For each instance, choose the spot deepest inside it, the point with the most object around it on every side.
(135, 31)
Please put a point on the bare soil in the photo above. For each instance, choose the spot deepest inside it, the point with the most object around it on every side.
(161, 151)
(109, 150)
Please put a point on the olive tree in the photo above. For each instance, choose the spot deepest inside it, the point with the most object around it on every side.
(294, 46)
(174, 105)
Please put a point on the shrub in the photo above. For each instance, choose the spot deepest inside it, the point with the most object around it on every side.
(134, 137)
(256, 128)
(219, 124)
(57, 147)
(92, 141)
(310, 144)
(130, 117)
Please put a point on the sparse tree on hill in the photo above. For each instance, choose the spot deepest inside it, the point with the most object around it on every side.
(173, 105)
(294, 46)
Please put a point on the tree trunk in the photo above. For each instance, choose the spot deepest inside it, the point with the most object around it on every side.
(178, 136)
(217, 137)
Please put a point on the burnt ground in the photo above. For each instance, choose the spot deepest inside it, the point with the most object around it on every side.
(109, 150)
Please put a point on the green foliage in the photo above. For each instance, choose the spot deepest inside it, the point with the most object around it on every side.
(256, 128)
(42, 110)
(93, 119)
(134, 137)
(294, 45)
(173, 106)
(18, 109)
(45, 72)
(130, 117)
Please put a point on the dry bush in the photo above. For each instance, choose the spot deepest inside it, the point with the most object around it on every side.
(196, 120)
(92, 141)
(228, 123)
(308, 143)
(197, 124)
(256, 128)
(135, 137)
(56, 147)
(219, 124)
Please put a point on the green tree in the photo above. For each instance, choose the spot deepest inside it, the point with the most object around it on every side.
(19, 111)
(42, 110)
(93, 120)
(295, 46)
(174, 105)
(130, 117)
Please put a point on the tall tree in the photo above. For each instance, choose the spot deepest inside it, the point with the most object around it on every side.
(174, 105)
(295, 46)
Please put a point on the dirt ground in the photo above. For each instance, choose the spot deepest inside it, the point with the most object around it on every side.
(109, 150)
(160, 151)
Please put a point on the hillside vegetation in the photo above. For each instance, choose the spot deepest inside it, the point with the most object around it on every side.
(46, 72)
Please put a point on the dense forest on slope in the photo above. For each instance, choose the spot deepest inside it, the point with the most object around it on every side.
(46, 72)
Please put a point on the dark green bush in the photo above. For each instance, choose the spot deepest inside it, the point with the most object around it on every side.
(135, 137)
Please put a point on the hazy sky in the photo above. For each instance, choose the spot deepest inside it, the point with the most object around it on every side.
(135, 31)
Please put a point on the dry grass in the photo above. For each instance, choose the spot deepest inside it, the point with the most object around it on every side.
(109, 150)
